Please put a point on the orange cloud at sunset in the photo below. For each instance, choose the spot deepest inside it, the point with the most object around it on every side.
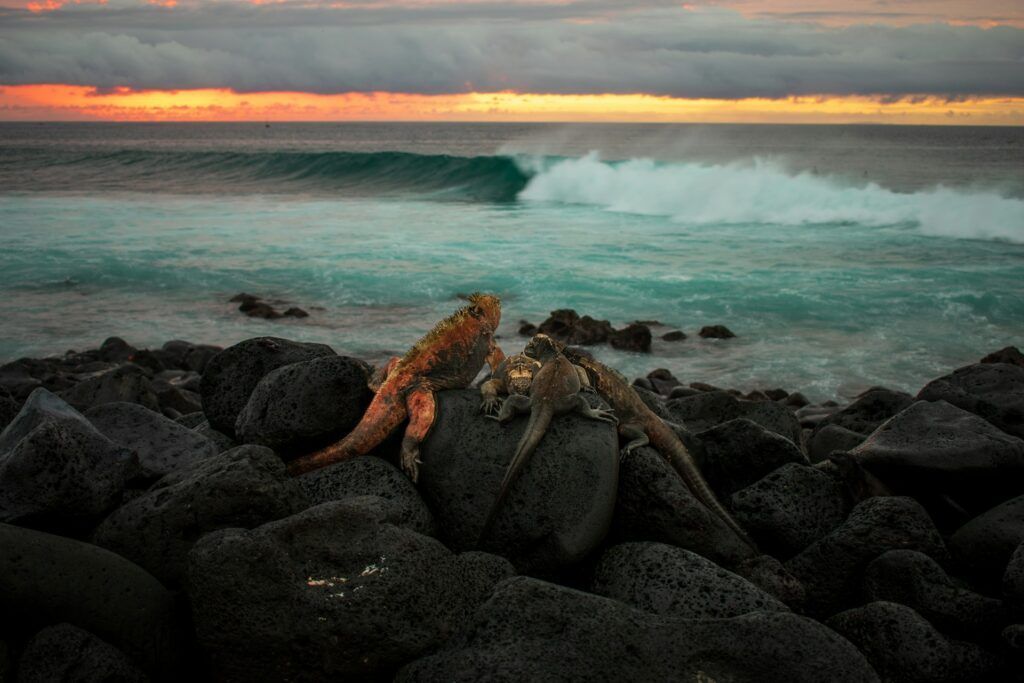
(66, 102)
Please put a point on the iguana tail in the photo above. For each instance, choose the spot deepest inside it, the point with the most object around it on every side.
(669, 445)
(536, 427)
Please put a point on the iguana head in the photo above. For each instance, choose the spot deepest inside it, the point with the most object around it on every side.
(543, 348)
(487, 305)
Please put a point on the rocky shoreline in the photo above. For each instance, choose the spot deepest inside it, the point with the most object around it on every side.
(149, 530)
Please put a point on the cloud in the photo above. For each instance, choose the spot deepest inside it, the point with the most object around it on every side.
(563, 48)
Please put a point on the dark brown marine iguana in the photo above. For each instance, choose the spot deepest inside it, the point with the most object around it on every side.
(448, 357)
(555, 391)
(639, 425)
(512, 376)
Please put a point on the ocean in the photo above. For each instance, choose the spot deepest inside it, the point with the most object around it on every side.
(843, 257)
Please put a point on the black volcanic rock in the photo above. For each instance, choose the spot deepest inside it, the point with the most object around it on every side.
(530, 630)
(708, 409)
(994, 391)
(633, 337)
(870, 410)
(302, 406)
(1013, 578)
(986, 543)
(242, 488)
(68, 653)
(1009, 354)
(557, 511)
(127, 383)
(231, 375)
(341, 591)
(716, 332)
(737, 453)
(829, 439)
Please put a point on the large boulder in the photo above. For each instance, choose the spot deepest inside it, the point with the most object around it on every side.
(243, 487)
(557, 511)
(831, 568)
(370, 476)
(340, 591)
(829, 439)
(46, 579)
(791, 508)
(673, 582)
(127, 383)
(654, 504)
(230, 376)
(916, 580)
(706, 410)
(531, 630)
(994, 391)
(302, 406)
(937, 447)
(737, 453)
(902, 646)
(871, 409)
(68, 653)
(1013, 578)
(56, 470)
(985, 544)
(161, 444)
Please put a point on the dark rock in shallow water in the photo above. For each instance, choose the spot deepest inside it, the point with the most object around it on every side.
(567, 326)
(632, 338)
(986, 543)
(295, 312)
(832, 438)
(531, 630)
(831, 568)
(46, 579)
(161, 444)
(56, 470)
(232, 374)
(655, 505)
(939, 448)
(994, 391)
(662, 381)
(68, 653)
(338, 592)
(673, 582)
(527, 329)
(706, 410)
(306, 405)
(916, 580)
(128, 384)
(370, 476)
(116, 349)
(716, 332)
(1009, 354)
(902, 646)
(1013, 577)
(674, 336)
(243, 487)
(790, 508)
(558, 510)
(871, 409)
(737, 453)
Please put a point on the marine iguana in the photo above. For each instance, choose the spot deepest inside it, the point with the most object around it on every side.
(448, 357)
(555, 391)
(640, 426)
(512, 376)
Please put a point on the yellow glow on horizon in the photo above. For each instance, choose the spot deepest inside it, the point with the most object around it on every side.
(68, 102)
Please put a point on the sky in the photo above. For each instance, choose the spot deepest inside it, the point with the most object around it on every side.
(771, 61)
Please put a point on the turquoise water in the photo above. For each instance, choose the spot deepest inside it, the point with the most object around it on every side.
(834, 280)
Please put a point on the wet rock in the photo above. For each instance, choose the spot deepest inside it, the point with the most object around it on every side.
(531, 630)
(655, 505)
(916, 580)
(231, 375)
(125, 384)
(790, 508)
(557, 511)
(674, 336)
(937, 447)
(527, 329)
(56, 470)
(306, 405)
(706, 410)
(870, 410)
(1009, 354)
(683, 392)
(46, 579)
(831, 568)
(796, 400)
(670, 581)
(160, 444)
(663, 381)
(68, 653)
(832, 438)
(632, 338)
(567, 326)
(116, 350)
(338, 592)
(985, 544)
(716, 332)
(243, 487)
(993, 391)
(737, 453)
(902, 646)
(370, 476)
(1013, 577)
(776, 394)
(18, 381)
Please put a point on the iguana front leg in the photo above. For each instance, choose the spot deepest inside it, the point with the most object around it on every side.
(489, 392)
(637, 438)
(512, 406)
(584, 409)
(422, 408)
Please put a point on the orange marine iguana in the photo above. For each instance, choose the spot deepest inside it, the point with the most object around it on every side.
(640, 425)
(555, 390)
(448, 357)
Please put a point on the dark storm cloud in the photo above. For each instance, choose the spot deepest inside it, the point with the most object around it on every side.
(591, 47)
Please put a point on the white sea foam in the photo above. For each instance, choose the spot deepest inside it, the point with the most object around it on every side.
(762, 192)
